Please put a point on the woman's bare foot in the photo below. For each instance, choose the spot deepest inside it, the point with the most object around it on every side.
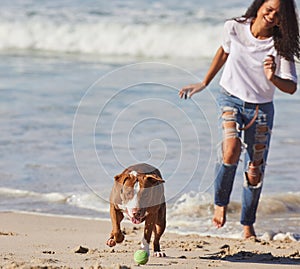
(219, 218)
(249, 231)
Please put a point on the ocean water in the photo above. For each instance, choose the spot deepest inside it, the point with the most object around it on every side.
(91, 87)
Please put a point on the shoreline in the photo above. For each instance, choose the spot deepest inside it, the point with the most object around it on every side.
(33, 240)
(275, 234)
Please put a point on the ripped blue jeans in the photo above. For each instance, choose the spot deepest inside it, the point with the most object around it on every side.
(255, 141)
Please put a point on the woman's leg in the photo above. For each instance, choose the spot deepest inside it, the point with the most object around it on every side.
(227, 164)
(257, 138)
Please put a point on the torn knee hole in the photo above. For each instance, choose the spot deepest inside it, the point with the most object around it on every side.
(230, 132)
(254, 174)
(230, 126)
(229, 114)
(258, 153)
(262, 128)
(261, 133)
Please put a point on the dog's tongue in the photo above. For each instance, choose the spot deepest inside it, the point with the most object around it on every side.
(135, 221)
(132, 219)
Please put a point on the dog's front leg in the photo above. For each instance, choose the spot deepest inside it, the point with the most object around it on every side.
(149, 223)
(158, 230)
(116, 235)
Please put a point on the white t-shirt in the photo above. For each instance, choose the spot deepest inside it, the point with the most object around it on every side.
(243, 75)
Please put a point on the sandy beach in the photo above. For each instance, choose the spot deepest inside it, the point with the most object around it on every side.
(41, 241)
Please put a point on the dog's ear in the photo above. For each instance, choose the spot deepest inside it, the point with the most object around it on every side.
(121, 178)
(118, 178)
(154, 179)
(119, 182)
(115, 197)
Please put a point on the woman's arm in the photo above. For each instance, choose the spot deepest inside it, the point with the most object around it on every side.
(285, 85)
(217, 63)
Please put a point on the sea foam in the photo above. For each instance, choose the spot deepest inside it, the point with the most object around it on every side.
(168, 40)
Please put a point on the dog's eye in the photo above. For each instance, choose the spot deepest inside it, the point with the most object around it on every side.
(129, 194)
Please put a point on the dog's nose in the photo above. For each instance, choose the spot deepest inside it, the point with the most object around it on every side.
(136, 212)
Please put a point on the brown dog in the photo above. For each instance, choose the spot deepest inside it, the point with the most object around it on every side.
(138, 192)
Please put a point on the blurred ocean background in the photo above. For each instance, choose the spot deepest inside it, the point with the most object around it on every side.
(90, 87)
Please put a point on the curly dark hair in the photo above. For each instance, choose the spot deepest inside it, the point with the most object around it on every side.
(286, 35)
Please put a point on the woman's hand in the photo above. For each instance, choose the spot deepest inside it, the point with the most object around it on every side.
(285, 85)
(217, 63)
(191, 89)
(269, 67)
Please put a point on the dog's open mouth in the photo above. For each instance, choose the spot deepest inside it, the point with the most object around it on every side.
(134, 217)
(135, 220)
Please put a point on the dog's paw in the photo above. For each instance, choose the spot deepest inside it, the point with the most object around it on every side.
(111, 242)
(159, 254)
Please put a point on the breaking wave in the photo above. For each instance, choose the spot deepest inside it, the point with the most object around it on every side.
(168, 40)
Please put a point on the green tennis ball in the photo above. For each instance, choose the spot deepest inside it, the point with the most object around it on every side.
(141, 256)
